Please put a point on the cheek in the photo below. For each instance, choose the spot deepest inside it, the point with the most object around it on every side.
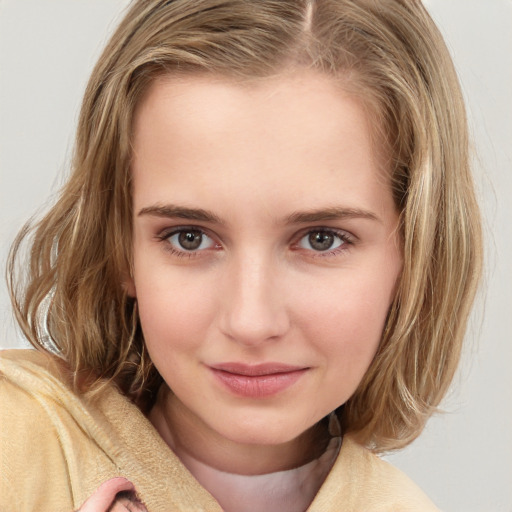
(174, 322)
(349, 332)
(346, 323)
(174, 313)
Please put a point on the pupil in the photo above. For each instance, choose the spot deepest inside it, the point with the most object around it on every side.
(190, 240)
(321, 241)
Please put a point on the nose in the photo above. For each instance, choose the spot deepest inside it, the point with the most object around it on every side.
(254, 303)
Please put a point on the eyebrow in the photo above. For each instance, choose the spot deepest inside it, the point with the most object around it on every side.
(199, 214)
(333, 213)
(179, 212)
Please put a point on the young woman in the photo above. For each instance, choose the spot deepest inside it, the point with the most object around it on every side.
(259, 271)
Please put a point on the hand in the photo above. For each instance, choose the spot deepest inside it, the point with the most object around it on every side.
(115, 495)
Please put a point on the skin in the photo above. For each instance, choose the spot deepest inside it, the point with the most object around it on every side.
(274, 162)
(114, 495)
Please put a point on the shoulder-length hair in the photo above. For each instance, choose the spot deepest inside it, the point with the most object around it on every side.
(388, 52)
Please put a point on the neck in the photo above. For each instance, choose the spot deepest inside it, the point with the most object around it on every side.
(191, 440)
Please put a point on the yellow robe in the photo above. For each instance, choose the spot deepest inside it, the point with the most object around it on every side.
(56, 448)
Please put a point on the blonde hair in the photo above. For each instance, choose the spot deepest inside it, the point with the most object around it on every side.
(391, 54)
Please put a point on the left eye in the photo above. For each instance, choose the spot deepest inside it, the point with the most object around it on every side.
(190, 240)
(321, 240)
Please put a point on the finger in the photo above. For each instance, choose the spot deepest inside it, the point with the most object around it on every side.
(104, 496)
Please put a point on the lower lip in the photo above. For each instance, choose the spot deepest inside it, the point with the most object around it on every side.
(258, 386)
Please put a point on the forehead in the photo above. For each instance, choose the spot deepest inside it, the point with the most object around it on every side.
(292, 131)
(310, 95)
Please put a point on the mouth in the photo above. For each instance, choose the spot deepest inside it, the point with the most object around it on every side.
(257, 381)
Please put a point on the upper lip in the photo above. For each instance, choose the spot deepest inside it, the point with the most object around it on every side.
(254, 370)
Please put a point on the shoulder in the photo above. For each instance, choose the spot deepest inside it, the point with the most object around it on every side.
(25, 381)
(28, 442)
(31, 377)
(45, 436)
(366, 483)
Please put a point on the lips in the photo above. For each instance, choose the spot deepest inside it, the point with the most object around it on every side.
(257, 381)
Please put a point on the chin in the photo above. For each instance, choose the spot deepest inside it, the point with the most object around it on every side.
(262, 431)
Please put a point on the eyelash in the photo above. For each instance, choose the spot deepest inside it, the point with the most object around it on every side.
(345, 238)
(167, 234)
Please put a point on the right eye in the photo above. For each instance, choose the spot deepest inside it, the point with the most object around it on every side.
(188, 240)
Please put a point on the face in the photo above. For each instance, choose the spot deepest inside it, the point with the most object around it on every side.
(265, 249)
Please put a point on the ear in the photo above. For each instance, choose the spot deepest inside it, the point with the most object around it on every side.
(128, 285)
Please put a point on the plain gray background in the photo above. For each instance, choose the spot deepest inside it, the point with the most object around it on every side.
(464, 458)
